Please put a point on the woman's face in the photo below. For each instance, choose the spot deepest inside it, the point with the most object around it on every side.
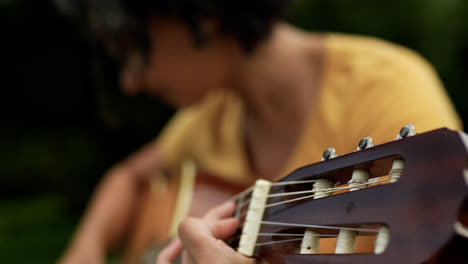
(176, 70)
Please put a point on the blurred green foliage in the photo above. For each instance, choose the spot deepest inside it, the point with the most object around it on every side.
(33, 230)
(49, 164)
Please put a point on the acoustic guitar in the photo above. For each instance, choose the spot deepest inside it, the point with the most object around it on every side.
(401, 202)
(404, 201)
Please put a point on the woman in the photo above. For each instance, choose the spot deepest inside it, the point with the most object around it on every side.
(258, 98)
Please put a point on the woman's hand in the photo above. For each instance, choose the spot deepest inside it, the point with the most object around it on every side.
(201, 239)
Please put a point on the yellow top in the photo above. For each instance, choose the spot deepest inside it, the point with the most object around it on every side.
(369, 88)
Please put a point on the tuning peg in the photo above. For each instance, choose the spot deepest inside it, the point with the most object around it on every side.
(406, 131)
(321, 188)
(365, 143)
(330, 153)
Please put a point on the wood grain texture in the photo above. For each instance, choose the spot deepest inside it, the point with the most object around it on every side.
(420, 208)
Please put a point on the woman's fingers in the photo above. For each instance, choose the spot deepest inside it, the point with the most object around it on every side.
(202, 241)
(170, 253)
(224, 229)
(194, 232)
(223, 211)
(202, 238)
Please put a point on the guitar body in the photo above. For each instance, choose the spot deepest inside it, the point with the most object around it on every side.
(158, 204)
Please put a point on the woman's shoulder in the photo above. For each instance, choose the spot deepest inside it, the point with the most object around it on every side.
(383, 84)
(368, 52)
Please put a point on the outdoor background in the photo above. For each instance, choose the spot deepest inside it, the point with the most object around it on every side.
(61, 129)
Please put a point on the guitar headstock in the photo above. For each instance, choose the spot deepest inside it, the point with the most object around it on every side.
(399, 201)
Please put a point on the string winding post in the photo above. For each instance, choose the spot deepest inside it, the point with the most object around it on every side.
(396, 171)
(358, 180)
(383, 237)
(346, 242)
(347, 239)
(310, 242)
(321, 188)
(254, 217)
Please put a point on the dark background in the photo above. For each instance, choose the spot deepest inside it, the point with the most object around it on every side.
(61, 129)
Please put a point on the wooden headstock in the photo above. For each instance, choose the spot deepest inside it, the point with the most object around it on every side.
(420, 210)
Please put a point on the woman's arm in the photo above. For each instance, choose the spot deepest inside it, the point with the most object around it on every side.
(112, 207)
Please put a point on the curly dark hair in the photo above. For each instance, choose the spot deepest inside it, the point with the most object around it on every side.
(248, 21)
(119, 25)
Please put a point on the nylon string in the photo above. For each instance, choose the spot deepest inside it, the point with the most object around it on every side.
(301, 236)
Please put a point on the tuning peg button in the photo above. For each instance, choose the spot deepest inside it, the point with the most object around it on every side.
(406, 131)
(365, 143)
(330, 153)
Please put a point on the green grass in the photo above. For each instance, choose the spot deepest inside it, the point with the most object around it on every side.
(33, 230)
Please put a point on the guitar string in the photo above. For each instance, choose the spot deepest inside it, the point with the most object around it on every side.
(307, 191)
(249, 190)
(329, 190)
(364, 230)
(313, 195)
(242, 194)
(277, 242)
(290, 240)
(313, 226)
(326, 227)
(292, 182)
(286, 234)
(298, 235)
(245, 203)
(367, 230)
(301, 236)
